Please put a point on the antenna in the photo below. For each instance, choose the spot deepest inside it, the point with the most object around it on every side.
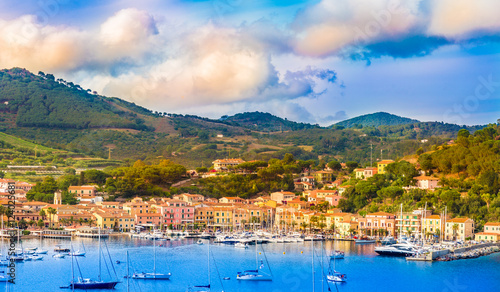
(371, 154)
(381, 154)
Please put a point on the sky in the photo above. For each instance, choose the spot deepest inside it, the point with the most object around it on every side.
(308, 61)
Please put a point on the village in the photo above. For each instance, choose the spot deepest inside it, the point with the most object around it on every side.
(307, 210)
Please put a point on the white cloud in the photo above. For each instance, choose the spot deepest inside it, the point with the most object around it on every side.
(463, 18)
(329, 26)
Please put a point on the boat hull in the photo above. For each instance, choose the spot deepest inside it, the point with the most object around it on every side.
(395, 253)
(94, 285)
(151, 276)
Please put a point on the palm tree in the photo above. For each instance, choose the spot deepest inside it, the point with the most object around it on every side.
(51, 211)
(332, 228)
(303, 225)
(294, 224)
(243, 223)
(42, 214)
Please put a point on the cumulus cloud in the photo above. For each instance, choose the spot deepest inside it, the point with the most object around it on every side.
(363, 29)
(329, 26)
(460, 19)
(128, 35)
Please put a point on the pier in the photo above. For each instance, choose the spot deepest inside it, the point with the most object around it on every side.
(448, 254)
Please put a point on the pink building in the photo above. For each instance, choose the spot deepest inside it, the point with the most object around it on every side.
(148, 218)
(333, 200)
(176, 212)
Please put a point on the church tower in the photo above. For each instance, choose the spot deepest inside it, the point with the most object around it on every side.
(57, 198)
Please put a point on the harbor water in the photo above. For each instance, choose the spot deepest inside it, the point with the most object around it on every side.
(291, 265)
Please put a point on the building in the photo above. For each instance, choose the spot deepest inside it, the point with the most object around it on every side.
(190, 198)
(491, 232)
(226, 164)
(373, 223)
(487, 236)
(492, 227)
(370, 171)
(459, 229)
(381, 165)
(82, 190)
(323, 176)
(359, 173)
(281, 197)
(426, 182)
(204, 216)
(432, 226)
(333, 200)
(231, 200)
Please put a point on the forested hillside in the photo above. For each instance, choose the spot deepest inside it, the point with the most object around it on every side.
(375, 120)
(44, 102)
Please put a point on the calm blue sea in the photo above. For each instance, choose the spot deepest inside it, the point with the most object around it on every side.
(292, 270)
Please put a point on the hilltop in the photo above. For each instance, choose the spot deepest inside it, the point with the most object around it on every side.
(264, 122)
(375, 120)
(61, 115)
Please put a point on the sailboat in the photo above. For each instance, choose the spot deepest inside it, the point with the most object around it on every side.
(333, 275)
(154, 275)
(257, 274)
(79, 253)
(82, 283)
(206, 288)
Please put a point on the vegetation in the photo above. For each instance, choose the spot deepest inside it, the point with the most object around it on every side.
(375, 120)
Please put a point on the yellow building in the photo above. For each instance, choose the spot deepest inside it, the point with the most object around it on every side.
(125, 222)
(323, 176)
(487, 236)
(223, 217)
(381, 165)
(432, 225)
(105, 220)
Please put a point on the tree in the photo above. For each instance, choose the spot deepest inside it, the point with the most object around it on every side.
(51, 211)
(42, 214)
(40, 223)
(335, 165)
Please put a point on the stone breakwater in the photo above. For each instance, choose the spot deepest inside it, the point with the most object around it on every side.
(469, 252)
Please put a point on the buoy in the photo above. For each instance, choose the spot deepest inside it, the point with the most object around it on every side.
(301, 252)
(259, 252)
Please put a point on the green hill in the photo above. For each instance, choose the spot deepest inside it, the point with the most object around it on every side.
(375, 120)
(264, 122)
(28, 100)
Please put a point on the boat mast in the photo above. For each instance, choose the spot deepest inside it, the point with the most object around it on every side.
(154, 259)
(128, 275)
(312, 248)
(209, 277)
(401, 223)
(256, 255)
(99, 276)
(72, 273)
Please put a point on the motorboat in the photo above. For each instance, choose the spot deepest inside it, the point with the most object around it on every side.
(338, 254)
(253, 275)
(398, 250)
(336, 277)
(241, 245)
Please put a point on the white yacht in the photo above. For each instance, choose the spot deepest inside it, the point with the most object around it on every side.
(397, 250)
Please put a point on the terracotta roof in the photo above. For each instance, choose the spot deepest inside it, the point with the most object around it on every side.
(433, 217)
(385, 161)
(487, 233)
(380, 214)
(423, 177)
(492, 224)
(457, 220)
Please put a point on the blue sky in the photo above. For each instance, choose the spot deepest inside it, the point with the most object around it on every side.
(309, 61)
